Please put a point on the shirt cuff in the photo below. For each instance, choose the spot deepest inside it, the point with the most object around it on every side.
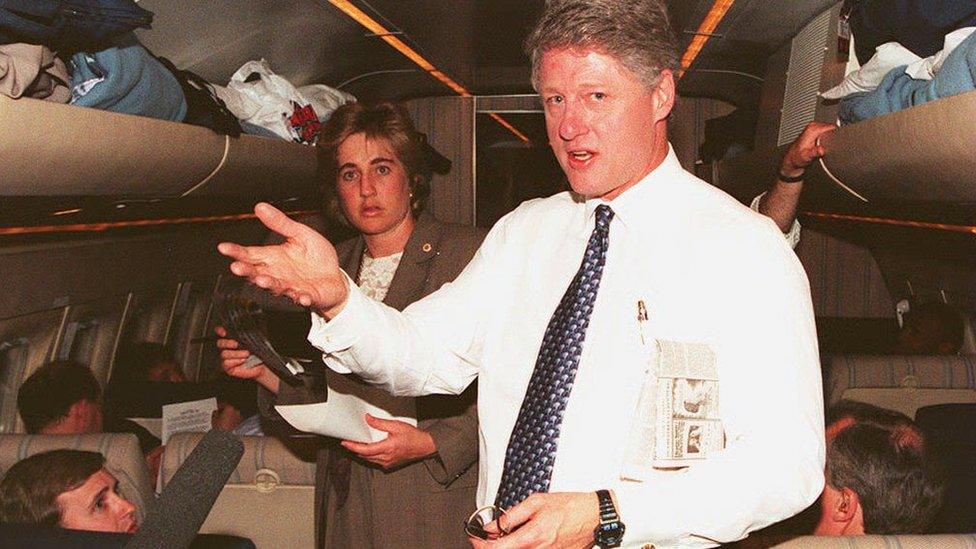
(793, 235)
(340, 333)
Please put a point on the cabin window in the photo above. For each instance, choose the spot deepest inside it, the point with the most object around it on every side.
(189, 326)
(149, 317)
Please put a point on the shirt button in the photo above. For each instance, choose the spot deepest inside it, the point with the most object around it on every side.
(647, 546)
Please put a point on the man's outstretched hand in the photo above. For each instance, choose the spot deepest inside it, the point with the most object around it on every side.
(304, 267)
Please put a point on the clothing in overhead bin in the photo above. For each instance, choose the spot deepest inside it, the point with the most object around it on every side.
(685, 263)
(899, 90)
(28, 70)
(424, 504)
(126, 78)
(68, 26)
(919, 25)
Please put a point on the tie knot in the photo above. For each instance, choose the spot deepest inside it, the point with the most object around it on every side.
(603, 217)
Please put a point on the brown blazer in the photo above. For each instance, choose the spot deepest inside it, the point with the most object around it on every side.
(425, 503)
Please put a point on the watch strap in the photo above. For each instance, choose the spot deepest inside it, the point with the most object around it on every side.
(608, 512)
(791, 179)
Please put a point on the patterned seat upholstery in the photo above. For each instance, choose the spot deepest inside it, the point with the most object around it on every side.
(902, 383)
(122, 456)
(269, 498)
(950, 541)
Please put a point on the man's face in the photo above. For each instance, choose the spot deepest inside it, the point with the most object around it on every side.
(166, 371)
(97, 506)
(607, 129)
(90, 417)
(372, 185)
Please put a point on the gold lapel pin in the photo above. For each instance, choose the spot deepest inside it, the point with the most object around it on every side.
(426, 247)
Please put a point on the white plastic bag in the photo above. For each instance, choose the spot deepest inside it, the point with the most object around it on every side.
(272, 102)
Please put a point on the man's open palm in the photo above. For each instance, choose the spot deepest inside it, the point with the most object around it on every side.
(304, 267)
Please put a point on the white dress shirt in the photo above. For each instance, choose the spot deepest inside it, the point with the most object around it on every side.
(709, 270)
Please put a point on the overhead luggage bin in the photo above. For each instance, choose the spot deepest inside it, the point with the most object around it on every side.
(924, 154)
(51, 149)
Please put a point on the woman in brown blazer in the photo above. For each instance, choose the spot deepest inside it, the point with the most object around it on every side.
(415, 488)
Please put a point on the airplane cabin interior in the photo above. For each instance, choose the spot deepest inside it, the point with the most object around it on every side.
(109, 221)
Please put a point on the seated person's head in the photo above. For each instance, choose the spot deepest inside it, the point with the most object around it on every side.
(930, 329)
(147, 361)
(61, 397)
(879, 478)
(66, 488)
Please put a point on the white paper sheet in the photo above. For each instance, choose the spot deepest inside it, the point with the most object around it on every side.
(342, 416)
(195, 416)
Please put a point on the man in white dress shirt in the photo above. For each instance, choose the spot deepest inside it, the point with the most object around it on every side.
(698, 265)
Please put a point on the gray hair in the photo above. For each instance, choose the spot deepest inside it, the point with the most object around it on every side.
(636, 32)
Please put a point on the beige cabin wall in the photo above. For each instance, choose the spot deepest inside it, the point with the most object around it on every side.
(686, 129)
(449, 125)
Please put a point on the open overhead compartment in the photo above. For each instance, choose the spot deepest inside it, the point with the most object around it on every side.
(925, 154)
(50, 149)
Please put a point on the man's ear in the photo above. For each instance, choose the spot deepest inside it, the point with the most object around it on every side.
(77, 410)
(663, 95)
(848, 507)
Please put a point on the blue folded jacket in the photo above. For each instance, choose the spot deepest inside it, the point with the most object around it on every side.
(126, 78)
(899, 91)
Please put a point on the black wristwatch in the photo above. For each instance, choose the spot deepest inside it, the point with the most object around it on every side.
(610, 532)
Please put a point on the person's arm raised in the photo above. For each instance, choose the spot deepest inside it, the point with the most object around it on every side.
(780, 202)
(303, 268)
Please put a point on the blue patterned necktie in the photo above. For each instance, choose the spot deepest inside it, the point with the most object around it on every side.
(532, 446)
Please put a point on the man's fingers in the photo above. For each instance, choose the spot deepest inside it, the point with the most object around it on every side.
(243, 254)
(277, 221)
(523, 512)
(243, 269)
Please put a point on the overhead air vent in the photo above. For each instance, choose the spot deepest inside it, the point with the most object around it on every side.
(803, 78)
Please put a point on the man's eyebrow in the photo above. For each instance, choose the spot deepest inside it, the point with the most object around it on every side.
(380, 160)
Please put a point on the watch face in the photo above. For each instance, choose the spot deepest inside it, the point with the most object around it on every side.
(610, 534)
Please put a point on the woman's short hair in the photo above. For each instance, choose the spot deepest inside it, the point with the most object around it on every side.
(387, 120)
(30, 489)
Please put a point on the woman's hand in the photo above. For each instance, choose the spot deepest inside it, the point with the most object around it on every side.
(233, 358)
(405, 444)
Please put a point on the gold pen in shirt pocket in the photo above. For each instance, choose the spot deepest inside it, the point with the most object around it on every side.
(641, 320)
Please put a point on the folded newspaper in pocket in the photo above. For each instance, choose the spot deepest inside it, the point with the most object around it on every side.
(677, 421)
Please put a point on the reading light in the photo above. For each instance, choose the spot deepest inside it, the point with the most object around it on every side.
(895, 222)
(704, 32)
(99, 227)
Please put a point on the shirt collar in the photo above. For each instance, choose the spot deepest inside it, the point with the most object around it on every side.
(631, 207)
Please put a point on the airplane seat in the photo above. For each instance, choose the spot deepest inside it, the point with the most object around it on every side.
(902, 383)
(950, 430)
(123, 458)
(947, 541)
(269, 498)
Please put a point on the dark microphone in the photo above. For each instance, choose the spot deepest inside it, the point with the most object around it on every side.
(186, 501)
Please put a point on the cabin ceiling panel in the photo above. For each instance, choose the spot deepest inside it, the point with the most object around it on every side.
(476, 42)
(306, 41)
